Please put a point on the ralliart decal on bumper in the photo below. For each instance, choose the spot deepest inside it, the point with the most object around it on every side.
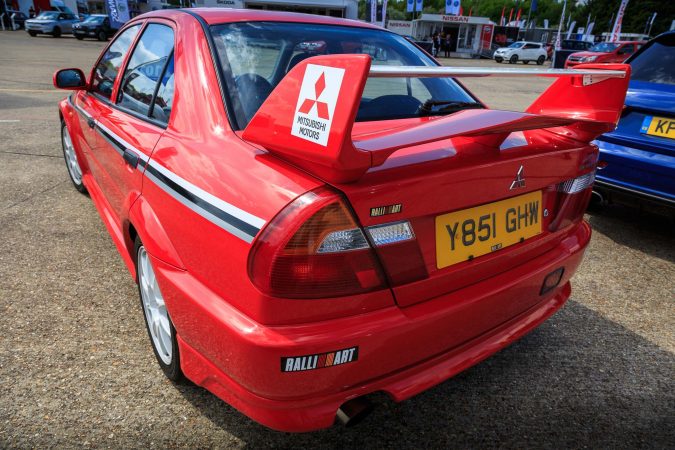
(320, 361)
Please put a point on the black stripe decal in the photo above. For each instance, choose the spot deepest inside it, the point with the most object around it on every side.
(119, 147)
(222, 215)
(168, 184)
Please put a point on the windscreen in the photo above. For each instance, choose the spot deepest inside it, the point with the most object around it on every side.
(93, 19)
(255, 56)
(51, 15)
(604, 47)
(656, 64)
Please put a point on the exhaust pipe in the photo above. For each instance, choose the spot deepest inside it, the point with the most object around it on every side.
(597, 198)
(354, 411)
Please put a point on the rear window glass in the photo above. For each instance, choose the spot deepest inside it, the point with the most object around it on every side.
(656, 64)
(255, 57)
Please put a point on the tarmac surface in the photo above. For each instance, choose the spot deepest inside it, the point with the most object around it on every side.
(77, 370)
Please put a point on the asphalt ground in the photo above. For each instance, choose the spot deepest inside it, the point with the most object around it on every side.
(77, 370)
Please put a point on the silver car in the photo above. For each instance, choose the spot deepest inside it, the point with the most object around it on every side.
(52, 22)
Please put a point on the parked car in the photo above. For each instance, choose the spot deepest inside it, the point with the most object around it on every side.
(604, 52)
(637, 160)
(522, 51)
(96, 26)
(19, 19)
(567, 47)
(289, 258)
(55, 23)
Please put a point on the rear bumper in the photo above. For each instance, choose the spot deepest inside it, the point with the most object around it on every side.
(402, 351)
(637, 173)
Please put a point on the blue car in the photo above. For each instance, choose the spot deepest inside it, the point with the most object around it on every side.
(638, 158)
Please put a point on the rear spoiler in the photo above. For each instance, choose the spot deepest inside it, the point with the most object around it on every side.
(308, 117)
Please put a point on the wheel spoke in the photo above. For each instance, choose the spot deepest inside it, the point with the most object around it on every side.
(154, 307)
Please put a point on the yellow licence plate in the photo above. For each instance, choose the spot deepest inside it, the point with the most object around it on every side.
(658, 126)
(467, 234)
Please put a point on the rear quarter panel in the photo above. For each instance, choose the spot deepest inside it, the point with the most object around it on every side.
(200, 147)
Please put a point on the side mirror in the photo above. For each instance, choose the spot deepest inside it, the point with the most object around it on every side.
(71, 79)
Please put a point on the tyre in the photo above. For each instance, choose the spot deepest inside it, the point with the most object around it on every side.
(74, 169)
(102, 36)
(499, 60)
(33, 33)
(541, 60)
(157, 321)
(79, 38)
(57, 32)
(514, 59)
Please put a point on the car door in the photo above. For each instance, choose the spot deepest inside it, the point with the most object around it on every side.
(528, 52)
(68, 23)
(131, 125)
(89, 103)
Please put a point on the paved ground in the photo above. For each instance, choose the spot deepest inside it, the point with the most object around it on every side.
(76, 368)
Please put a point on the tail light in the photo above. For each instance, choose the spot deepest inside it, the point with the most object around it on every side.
(314, 248)
(574, 196)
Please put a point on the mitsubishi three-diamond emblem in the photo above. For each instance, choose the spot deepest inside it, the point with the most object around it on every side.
(316, 103)
(519, 181)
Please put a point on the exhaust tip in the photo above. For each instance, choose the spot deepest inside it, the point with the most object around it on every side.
(597, 198)
(354, 411)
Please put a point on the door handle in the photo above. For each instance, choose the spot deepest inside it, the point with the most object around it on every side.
(130, 158)
(91, 123)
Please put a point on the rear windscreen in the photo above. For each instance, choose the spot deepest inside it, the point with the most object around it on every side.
(255, 56)
(656, 64)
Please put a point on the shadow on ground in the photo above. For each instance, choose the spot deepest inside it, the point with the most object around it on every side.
(577, 379)
(644, 231)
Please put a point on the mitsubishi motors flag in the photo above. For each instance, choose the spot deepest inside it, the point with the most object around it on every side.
(452, 7)
(616, 31)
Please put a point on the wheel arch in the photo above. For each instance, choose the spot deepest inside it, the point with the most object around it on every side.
(144, 224)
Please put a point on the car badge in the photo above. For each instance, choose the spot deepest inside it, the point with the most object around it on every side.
(519, 181)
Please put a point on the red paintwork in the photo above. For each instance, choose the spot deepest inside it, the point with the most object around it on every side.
(606, 57)
(410, 336)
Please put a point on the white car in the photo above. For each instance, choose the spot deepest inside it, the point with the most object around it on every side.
(55, 23)
(522, 51)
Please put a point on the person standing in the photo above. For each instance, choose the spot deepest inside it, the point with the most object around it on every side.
(437, 44)
(448, 44)
(31, 12)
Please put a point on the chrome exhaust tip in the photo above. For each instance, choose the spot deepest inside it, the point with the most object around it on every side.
(597, 198)
(354, 411)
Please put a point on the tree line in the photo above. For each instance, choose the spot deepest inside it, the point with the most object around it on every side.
(638, 12)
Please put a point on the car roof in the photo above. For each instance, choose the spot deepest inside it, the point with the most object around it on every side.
(214, 16)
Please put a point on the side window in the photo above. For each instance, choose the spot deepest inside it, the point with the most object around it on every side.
(106, 70)
(145, 69)
(626, 49)
(161, 109)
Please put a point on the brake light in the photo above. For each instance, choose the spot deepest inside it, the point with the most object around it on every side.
(314, 248)
(574, 196)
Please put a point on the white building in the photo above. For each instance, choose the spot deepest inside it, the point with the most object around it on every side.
(334, 8)
(468, 34)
